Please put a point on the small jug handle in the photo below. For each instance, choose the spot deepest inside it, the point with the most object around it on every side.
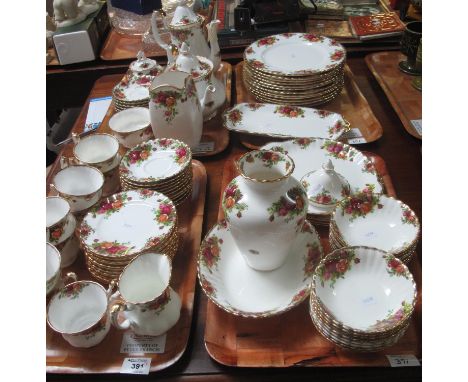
(70, 277)
(114, 315)
(75, 138)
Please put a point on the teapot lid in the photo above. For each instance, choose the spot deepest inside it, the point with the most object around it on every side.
(325, 187)
(183, 15)
(199, 67)
(143, 63)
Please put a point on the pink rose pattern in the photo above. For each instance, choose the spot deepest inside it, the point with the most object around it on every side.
(393, 318)
(339, 150)
(395, 267)
(290, 111)
(72, 290)
(210, 251)
(111, 248)
(335, 268)
(361, 203)
(312, 258)
(285, 208)
(409, 217)
(232, 196)
(165, 214)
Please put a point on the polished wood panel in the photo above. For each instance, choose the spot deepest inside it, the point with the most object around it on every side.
(405, 99)
(350, 103)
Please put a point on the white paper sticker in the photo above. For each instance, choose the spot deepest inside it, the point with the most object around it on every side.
(356, 141)
(417, 124)
(403, 360)
(135, 344)
(354, 136)
(96, 112)
(136, 366)
(204, 147)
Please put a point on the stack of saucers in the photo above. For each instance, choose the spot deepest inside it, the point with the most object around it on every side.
(125, 225)
(163, 165)
(132, 91)
(294, 69)
(362, 298)
(378, 221)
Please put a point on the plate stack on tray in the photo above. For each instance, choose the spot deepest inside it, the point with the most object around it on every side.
(378, 221)
(362, 298)
(294, 69)
(163, 165)
(125, 225)
(132, 91)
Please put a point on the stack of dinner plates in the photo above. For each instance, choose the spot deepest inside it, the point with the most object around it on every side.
(378, 221)
(132, 91)
(125, 225)
(362, 298)
(294, 69)
(163, 165)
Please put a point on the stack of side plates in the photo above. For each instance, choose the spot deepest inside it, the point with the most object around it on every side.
(132, 92)
(294, 69)
(125, 225)
(362, 298)
(163, 165)
(378, 221)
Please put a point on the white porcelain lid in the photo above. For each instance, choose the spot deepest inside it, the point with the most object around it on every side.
(143, 63)
(325, 187)
(128, 223)
(155, 159)
(183, 15)
(292, 54)
(197, 66)
(365, 288)
(378, 221)
(284, 121)
(238, 289)
(309, 154)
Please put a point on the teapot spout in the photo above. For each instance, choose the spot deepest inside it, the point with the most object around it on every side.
(215, 54)
(155, 29)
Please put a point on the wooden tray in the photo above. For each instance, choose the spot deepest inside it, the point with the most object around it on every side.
(291, 339)
(350, 103)
(124, 47)
(405, 99)
(106, 357)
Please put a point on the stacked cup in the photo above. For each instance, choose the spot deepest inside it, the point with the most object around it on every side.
(102, 152)
(362, 298)
(54, 278)
(163, 165)
(125, 225)
(60, 228)
(375, 220)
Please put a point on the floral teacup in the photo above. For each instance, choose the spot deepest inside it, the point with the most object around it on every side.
(57, 219)
(79, 312)
(131, 126)
(81, 185)
(53, 276)
(97, 150)
(150, 306)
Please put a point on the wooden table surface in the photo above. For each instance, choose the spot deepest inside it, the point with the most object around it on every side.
(402, 154)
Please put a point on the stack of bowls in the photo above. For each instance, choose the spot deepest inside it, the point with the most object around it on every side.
(163, 165)
(125, 225)
(378, 221)
(132, 91)
(362, 298)
(294, 69)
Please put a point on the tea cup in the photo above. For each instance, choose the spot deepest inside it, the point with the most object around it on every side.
(80, 185)
(53, 265)
(58, 211)
(131, 126)
(147, 303)
(98, 150)
(79, 311)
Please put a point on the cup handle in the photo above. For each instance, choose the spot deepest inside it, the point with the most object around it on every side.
(112, 288)
(70, 277)
(53, 188)
(75, 138)
(64, 162)
(114, 315)
(347, 126)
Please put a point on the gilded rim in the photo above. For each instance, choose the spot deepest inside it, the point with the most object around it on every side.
(89, 327)
(80, 196)
(61, 220)
(100, 163)
(279, 179)
(337, 322)
(401, 250)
